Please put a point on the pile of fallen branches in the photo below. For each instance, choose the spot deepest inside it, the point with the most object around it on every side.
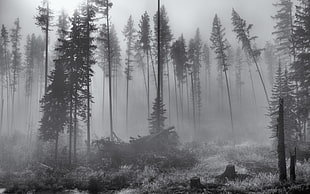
(161, 150)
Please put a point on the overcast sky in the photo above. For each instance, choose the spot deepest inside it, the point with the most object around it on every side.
(185, 15)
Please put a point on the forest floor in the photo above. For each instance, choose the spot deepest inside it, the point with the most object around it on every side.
(258, 163)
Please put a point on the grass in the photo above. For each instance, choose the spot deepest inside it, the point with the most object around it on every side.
(259, 162)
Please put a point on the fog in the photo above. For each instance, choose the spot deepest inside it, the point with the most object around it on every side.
(184, 18)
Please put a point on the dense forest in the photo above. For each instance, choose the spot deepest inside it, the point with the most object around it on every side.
(88, 108)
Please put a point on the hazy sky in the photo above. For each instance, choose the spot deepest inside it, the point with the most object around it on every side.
(185, 16)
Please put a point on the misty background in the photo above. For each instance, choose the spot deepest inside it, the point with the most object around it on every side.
(251, 121)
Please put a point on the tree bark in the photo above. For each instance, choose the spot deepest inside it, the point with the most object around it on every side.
(230, 109)
(293, 166)
(193, 101)
(281, 143)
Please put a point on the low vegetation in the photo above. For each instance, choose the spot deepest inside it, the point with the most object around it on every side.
(166, 172)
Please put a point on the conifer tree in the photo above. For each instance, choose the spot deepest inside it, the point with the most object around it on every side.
(43, 20)
(242, 30)
(283, 30)
(54, 107)
(300, 66)
(144, 38)
(165, 39)
(88, 17)
(270, 60)
(157, 119)
(103, 43)
(238, 73)
(220, 46)
(207, 64)
(130, 36)
(194, 59)
(3, 45)
(284, 89)
(16, 62)
(104, 8)
(57, 100)
(179, 58)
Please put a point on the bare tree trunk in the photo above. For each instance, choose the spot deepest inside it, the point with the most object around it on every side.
(46, 47)
(103, 93)
(153, 68)
(253, 89)
(70, 128)
(13, 101)
(293, 166)
(187, 93)
(148, 82)
(281, 143)
(127, 88)
(181, 102)
(56, 149)
(169, 93)
(230, 109)
(194, 109)
(88, 81)
(2, 104)
(110, 74)
(260, 75)
(75, 127)
(176, 98)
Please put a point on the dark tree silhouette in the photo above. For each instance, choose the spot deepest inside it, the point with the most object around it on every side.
(300, 67)
(144, 38)
(243, 35)
(16, 63)
(130, 36)
(283, 30)
(220, 46)
(43, 19)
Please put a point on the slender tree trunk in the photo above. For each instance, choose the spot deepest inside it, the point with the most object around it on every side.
(116, 96)
(148, 82)
(253, 88)
(88, 81)
(75, 128)
(145, 82)
(176, 98)
(159, 70)
(110, 75)
(8, 79)
(194, 109)
(293, 166)
(70, 126)
(281, 143)
(169, 93)
(13, 101)
(46, 48)
(230, 108)
(153, 68)
(260, 75)
(222, 91)
(56, 148)
(127, 89)
(209, 88)
(2, 104)
(181, 102)
(103, 93)
(187, 94)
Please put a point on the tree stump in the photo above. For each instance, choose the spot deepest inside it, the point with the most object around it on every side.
(229, 173)
(195, 183)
